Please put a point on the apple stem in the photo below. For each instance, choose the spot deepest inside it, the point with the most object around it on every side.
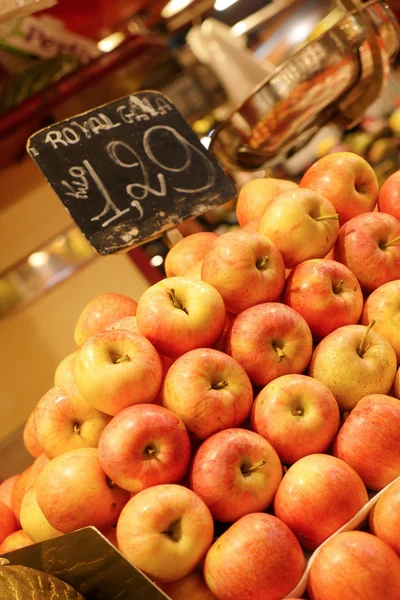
(150, 450)
(338, 287)
(390, 243)
(297, 413)
(122, 359)
(77, 429)
(327, 218)
(279, 351)
(220, 386)
(262, 263)
(245, 469)
(175, 301)
(361, 348)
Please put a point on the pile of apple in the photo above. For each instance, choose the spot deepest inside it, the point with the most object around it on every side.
(240, 415)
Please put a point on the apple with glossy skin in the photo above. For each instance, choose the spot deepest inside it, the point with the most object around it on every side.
(15, 541)
(369, 440)
(317, 496)
(144, 445)
(191, 587)
(128, 323)
(246, 269)
(180, 314)
(220, 345)
(8, 523)
(64, 421)
(298, 415)
(389, 196)
(302, 224)
(209, 391)
(255, 196)
(384, 518)
(325, 293)
(165, 531)
(252, 226)
(347, 181)
(188, 252)
(383, 307)
(29, 437)
(270, 340)
(64, 373)
(355, 564)
(352, 362)
(235, 472)
(369, 245)
(100, 312)
(6, 489)
(256, 558)
(117, 368)
(73, 492)
(25, 481)
(33, 521)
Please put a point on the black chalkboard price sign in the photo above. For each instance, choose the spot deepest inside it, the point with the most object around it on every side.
(129, 171)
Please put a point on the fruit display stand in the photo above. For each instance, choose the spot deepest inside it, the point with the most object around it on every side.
(92, 162)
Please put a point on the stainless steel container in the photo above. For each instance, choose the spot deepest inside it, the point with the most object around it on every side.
(332, 78)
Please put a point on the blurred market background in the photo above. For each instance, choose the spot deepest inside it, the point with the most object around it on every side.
(62, 58)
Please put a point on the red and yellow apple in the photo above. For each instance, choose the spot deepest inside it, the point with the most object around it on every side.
(209, 391)
(325, 293)
(389, 196)
(180, 314)
(317, 495)
(65, 421)
(64, 373)
(354, 361)
(246, 269)
(33, 521)
(165, 531)
(258, 557)
(302, 224)
(144, 445)
(270, 340)
(8, 523)
(117, 368)
(100, 312)
(188, 253)
(298, 415)
(347, 181)
(354, 564)
(29, 437)
(384, 518)
(192, 586)
(73, 492)
(369, 245)
(383, 307)
(6, 489)
(235, 472)
(255, 196)
(369, 440)
(15, 541)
